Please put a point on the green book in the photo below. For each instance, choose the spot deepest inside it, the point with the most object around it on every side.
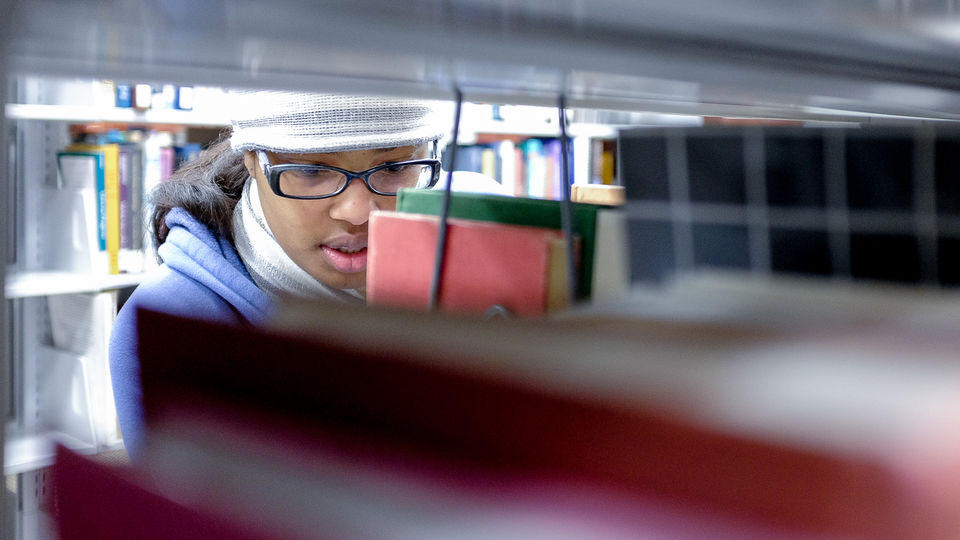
(544, 213)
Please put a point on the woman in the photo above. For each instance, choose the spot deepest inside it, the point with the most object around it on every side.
(279, 209)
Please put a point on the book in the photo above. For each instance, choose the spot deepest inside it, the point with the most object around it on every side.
(219, 475)
(131, 255)
(604, 194)
(184, 98)
(721, 417)
(581, 163)
(535, 167)
(611, 257)
(142, 96)
(554, 173)
(81, 246)
(130, 504)
(109, 199)
(520, 172)
(487, 265)
(124, 95)
(507, 157)
(608, 165)
(488, 163)
(137, 195)
(596, 161)
(515, 211)
(168, 162)
(125, 176)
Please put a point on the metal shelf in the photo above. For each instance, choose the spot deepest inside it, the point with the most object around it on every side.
(32, 451)
(821, 59)
(78, 113)
(28, 284)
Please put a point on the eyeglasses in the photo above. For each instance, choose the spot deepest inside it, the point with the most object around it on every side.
(299, 181)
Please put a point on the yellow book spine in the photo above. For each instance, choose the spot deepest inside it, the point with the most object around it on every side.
(608, 166)
(488, 162)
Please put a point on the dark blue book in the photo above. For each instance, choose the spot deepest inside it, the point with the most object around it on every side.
(124, 95)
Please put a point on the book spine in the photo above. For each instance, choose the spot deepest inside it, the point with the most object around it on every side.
(596, 161)
(488, 162)
(581, 160)
(535, 168)
(508, 164)
(136, 197)
(112, 192)
(520, 174)
(607, 170)
(168, 162)
(554, 169)
(101, 190)
(126, 194)
(124, 95)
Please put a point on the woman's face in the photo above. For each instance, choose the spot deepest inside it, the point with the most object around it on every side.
(328, 237)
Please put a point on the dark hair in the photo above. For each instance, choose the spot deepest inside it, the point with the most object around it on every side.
(207, 187)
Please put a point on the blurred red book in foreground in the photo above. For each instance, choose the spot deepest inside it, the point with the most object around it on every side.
(358, 422)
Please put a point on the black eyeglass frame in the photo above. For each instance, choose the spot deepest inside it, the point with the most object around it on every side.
(272, 173)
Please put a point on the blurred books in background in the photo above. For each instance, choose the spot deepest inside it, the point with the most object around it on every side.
(102, 191)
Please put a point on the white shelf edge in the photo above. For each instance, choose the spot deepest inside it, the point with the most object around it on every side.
(575, 129)
(26, 284)
(25, 452)
(78, 113)
(535, 129)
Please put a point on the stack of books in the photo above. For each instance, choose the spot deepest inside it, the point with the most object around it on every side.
(501, 251)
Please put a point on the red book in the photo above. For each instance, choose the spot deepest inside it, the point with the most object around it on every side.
(94, 501)
(521, 397)
(487, 264)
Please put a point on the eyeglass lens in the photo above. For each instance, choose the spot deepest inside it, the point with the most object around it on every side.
(315, 182)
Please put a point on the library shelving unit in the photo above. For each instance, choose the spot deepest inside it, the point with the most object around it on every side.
(825, 61)
(59, 312)
(44, 110)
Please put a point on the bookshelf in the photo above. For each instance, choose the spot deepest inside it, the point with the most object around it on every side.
(44, 283)
(697, 58)
(44, 290)
(59, 390)
(822, 61)
(83, 114)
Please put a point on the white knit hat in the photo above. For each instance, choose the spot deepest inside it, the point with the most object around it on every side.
(296, 122)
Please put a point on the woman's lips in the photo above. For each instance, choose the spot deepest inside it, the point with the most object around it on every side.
(345, 259)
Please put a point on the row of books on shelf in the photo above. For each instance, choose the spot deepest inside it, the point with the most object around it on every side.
(829, 412)
(533, 167)
(146, 96)
(99, 206)
(140, 96)
(503, 254)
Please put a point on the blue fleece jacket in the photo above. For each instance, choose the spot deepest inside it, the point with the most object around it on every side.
(202, 277)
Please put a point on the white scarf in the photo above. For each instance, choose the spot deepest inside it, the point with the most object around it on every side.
(269, 265)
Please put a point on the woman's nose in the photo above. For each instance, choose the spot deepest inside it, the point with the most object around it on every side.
(354, 204)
